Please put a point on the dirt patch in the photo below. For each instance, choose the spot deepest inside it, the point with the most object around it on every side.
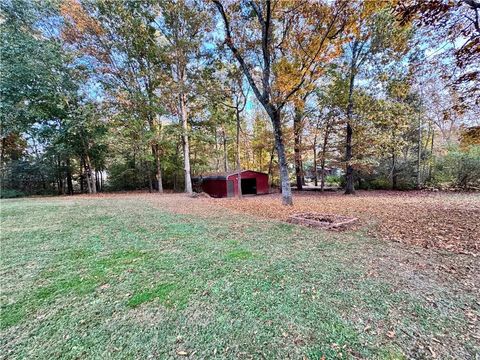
(322, 221)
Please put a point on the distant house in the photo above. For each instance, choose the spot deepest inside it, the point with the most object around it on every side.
(226, 184)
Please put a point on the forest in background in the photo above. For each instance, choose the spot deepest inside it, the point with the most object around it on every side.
(106, 95)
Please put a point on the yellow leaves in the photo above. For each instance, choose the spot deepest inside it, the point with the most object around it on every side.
(287, 75)
(79, 21)
(370, 7)
(470, 137)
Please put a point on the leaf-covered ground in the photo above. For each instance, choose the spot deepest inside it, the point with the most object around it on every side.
(167, 276)
(447, 221)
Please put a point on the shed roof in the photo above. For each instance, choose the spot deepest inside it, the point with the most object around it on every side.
(222, 175)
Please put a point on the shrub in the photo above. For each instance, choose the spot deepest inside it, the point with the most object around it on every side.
(10, 194)
(460, 168)
(333, 179)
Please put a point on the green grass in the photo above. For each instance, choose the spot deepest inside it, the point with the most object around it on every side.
(160, 292)
(120, 278)
(240, 254)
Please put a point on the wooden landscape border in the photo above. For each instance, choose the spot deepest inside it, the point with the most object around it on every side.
(338, 222)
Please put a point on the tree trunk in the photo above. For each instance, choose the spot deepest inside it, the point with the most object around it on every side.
(430, 167)
(185, 143)
(239, 168)
(349, 186)
(322, 174)
(82, 169)
(282, 159)
(89, 185)
(61, 190)
(419, 155)
(176, 174)
(97, 181)
(297, 132)
(158, 175)
(394, 171)
(69, 178)
(270, 164)
(225, 153)
(323, 158)
(90, 175)
(315, 177)
(217, 152)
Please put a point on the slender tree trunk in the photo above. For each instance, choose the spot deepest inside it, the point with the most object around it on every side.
(315, 159)
(175, 174)
(349, 187)
(82, 168)
(394, 171)
(282, 160)
(97, 181)
(239, 168)
(90, 175)
(270, 164)
(324, 155)
(158, 164)
(225, 153)
(217, 152)
(322, 175)
(419, 155)
(425, 150)
(60, 178)
(430, 167)
(315, 177)
(297, 132)
(87, 177)
(185, 143)
(69, 178)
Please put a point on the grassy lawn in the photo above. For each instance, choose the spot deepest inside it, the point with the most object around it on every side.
(126, 278)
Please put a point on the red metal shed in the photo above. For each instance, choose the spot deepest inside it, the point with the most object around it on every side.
(226, 184)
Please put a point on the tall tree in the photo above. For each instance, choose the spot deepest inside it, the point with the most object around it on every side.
(299, 104)
(279, 46)
(183, 25)
(374, 31)
(117, 40)
(35, 90)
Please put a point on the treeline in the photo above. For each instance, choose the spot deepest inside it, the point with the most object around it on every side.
(122, 95)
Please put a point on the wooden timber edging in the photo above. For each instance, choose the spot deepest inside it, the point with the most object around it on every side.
(322, 221)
